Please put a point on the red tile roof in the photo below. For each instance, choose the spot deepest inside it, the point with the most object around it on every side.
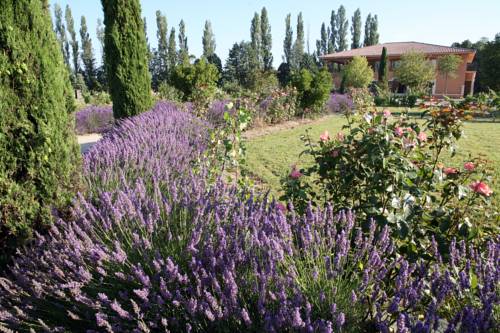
(397, 49)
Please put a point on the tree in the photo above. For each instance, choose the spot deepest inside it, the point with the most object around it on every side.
(489, 65)
(342, 28)
(298, 46)
(287, 43)
(70, 24)
(415, 71)
(374, 35)
(240, 65)
(160, 57)
(100, 36)
(324, 40)
(368, 25)
(266, 40)
(255, 36)
(382, 68)
(215, 60)
(126, 57)
(208, 40)
(60, 30)
(284, 74)
(447, 66)
(332, 33)
(87, 56)
(358, 73)
(172, 51)
(313, 88)
(356, 29)
(38, 149)
(183, 44)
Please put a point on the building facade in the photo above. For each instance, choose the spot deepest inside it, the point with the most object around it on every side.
(455, 87)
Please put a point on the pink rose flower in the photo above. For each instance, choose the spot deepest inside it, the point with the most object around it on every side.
(335, 153)
(325, 136)
(398, 131)
(387, 113)
(450, 171)
(340, 136)
(409, 130)
(469, 166)
(295, 174)
(481, 188)
(422, 137)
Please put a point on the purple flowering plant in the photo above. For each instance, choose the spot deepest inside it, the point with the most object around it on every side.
(94, 119)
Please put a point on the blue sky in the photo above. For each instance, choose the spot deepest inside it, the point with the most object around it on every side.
(438, 21)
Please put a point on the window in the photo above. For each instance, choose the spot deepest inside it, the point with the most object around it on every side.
(394, 64)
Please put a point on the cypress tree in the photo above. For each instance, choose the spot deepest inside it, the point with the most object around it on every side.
(368, 25)
(266, 40)
(374, 35)
(126, 55)
(87, 55)
(298, 46)
(172, 52)
(332, 34)
(382, 69)
(287, 42)
(60, 30)
(208, 40)
(183, 46)
(356, 29)
(256, 39)
(324, 39)
(38, 151)
(342, 28)
(70, 24)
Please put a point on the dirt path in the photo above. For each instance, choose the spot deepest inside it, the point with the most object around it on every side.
(88, 140)
(264, 130)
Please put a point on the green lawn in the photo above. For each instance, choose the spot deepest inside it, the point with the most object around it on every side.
(270, 156)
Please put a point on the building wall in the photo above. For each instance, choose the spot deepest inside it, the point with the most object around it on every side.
(455, 85)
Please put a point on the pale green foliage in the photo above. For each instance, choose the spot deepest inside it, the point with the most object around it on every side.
(208, 40)
(357, 73)
(415, 71)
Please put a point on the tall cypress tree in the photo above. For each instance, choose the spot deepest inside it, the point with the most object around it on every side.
(161, 56)
(38, 149)
(126, 57)
(374, 35)
(342, 29)
(172, 52)
(382, 69)
(208, 40)
(368, 25)
(298, 46)
(70, 24)
(256, 39)
(87, 56)
(266, 40)
(356, 29)
(324, 39)
(287, 42)
(183, 43)
(60, 30)
(332, 33)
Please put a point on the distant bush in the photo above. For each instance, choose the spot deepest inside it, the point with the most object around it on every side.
(97, 98)
(357, 73)
(94, 119)
(169, 93)
(313, 89)
(280, 105)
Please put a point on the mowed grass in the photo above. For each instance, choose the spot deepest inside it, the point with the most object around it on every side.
(270, 156)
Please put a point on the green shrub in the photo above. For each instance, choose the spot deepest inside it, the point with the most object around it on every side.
(313, 89)
(169, 93)
(38, 151)
(197, 82)
(126, 57)
(357, 73)
(97, 98)
(391, 170)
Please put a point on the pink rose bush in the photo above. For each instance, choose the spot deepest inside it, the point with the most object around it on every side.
(390, 169)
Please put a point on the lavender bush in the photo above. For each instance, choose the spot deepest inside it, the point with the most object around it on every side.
(94, 119)
(155, 248)
(339, 103)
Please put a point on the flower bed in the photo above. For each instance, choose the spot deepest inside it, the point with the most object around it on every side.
(94, 119)
(152, 247)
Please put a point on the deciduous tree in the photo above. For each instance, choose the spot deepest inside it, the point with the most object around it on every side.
(447, 66)
(356, 29)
